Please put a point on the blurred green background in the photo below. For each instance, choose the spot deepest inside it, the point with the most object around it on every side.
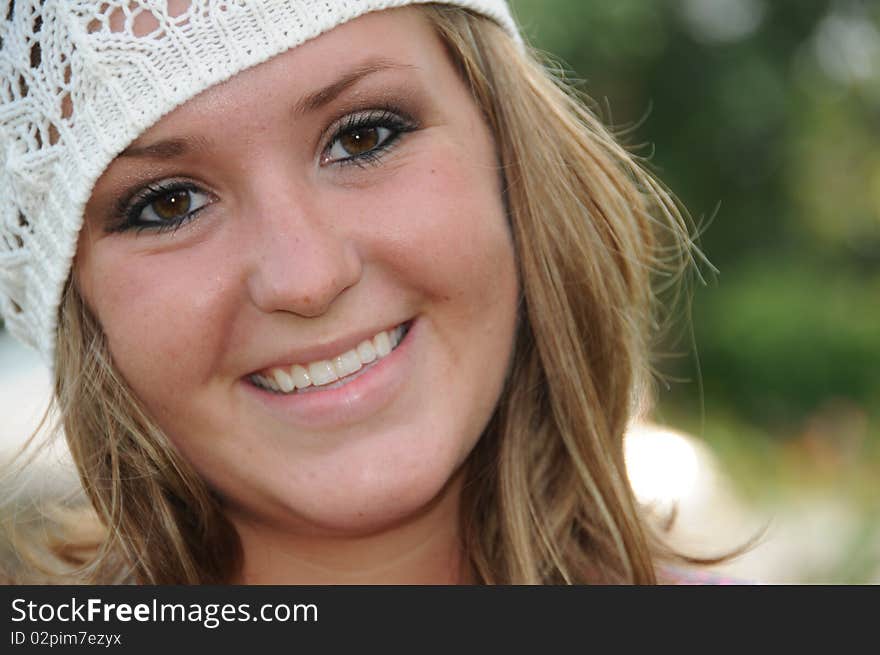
(763, 116)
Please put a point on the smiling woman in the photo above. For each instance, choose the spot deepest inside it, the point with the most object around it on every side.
(332, 293)
(329, 379)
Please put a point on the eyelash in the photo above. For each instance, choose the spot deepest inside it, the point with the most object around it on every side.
(131, 207)
(394, 120)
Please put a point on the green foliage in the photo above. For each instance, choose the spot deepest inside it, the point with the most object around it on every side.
(769, 112)
(780, 338)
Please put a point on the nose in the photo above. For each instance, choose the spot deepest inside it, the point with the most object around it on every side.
(302, 261)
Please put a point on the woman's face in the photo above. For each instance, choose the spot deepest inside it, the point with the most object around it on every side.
(281, 229)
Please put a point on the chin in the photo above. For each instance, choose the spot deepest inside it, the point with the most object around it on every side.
(371, 504)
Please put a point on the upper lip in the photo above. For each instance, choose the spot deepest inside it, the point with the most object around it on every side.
(324, 350)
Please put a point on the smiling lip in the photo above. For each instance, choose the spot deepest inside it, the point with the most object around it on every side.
(347, 401)
(309, 376)
(327, 350)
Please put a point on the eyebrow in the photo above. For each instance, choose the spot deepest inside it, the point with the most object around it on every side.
(168, 148)
(329, 93)
(177, 147)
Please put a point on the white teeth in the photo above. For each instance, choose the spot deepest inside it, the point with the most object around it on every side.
(300, 377)
(322, 373)
(396, 336)
(263, 382)
(285, 380)
(382, 343)
(347, 363)
(366, 352)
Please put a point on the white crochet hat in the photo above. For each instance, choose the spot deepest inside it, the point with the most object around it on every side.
(80, 80)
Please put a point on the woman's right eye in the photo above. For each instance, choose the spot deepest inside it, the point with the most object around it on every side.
(165, 205)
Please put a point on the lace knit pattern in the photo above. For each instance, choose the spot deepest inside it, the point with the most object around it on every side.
(80, 80)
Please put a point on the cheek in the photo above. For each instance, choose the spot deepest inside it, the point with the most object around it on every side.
(447, 229)
(159, 312)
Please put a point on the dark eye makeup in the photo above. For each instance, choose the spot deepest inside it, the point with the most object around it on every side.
(160, 206)
(361, 138)
(358, 139)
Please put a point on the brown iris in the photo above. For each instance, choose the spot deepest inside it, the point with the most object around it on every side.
(357, 142)
(172, 205)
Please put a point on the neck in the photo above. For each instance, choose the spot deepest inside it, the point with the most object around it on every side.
(425, 549)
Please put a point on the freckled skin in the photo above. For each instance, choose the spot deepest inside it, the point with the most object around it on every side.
(292, 253)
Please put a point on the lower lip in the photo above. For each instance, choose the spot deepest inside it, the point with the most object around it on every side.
(355, 401)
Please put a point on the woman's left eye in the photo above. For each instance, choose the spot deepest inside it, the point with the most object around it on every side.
(357, 143)
(363, 138)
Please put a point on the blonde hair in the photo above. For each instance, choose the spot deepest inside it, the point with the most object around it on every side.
(546, 498)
